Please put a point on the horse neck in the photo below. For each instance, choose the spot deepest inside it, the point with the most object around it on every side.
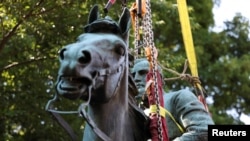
(115, 107)
(113, 117)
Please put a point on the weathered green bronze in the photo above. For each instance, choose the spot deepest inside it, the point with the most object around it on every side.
(96, 70)
(186, 117)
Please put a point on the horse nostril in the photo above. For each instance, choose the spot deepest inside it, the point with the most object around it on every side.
(85, 58)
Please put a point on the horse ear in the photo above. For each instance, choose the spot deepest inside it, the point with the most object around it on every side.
(125, 22)
(93, 14)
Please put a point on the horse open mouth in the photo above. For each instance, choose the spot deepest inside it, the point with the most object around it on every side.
(73, 87)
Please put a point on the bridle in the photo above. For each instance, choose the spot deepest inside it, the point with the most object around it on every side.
(81, 110)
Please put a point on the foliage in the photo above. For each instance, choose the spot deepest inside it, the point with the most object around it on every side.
(32, 32)
(227, 76)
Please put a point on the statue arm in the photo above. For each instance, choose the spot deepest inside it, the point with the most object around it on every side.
(192, 115)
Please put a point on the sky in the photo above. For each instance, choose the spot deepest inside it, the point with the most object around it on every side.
(228, 9)
(225, 12)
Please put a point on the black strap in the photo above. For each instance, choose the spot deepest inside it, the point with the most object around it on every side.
(92, 124)
(83, 113)
(66, 126)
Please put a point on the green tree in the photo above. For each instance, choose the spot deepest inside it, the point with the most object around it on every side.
(32, 32)
(227, 72)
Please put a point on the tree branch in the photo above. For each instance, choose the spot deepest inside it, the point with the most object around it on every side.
(9, 34)
(15, 64)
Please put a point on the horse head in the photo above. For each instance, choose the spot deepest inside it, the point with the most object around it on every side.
(96, 62)
(95, 69)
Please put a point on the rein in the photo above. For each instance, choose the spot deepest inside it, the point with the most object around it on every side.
(81, 110)
(88, 119)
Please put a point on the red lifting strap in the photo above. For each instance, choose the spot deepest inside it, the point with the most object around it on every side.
(152, 101)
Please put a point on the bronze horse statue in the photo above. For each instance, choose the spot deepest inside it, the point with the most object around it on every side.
(96, 70)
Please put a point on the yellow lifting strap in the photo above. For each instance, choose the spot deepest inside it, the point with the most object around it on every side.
(163, 113)
(188, 42)
(187, 36)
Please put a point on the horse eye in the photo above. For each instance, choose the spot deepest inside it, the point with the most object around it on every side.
(61, 53)
(119, 49)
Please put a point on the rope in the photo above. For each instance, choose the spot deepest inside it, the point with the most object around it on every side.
(183, 76)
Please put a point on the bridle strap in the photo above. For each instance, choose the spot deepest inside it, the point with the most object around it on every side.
(88, 119)
(109, 71)
(83, 106)
(93, 126)
(66, 126)
(82, 113)
(60, 120)
(81, 109)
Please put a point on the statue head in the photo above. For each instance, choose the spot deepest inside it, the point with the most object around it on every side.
(139, 72)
